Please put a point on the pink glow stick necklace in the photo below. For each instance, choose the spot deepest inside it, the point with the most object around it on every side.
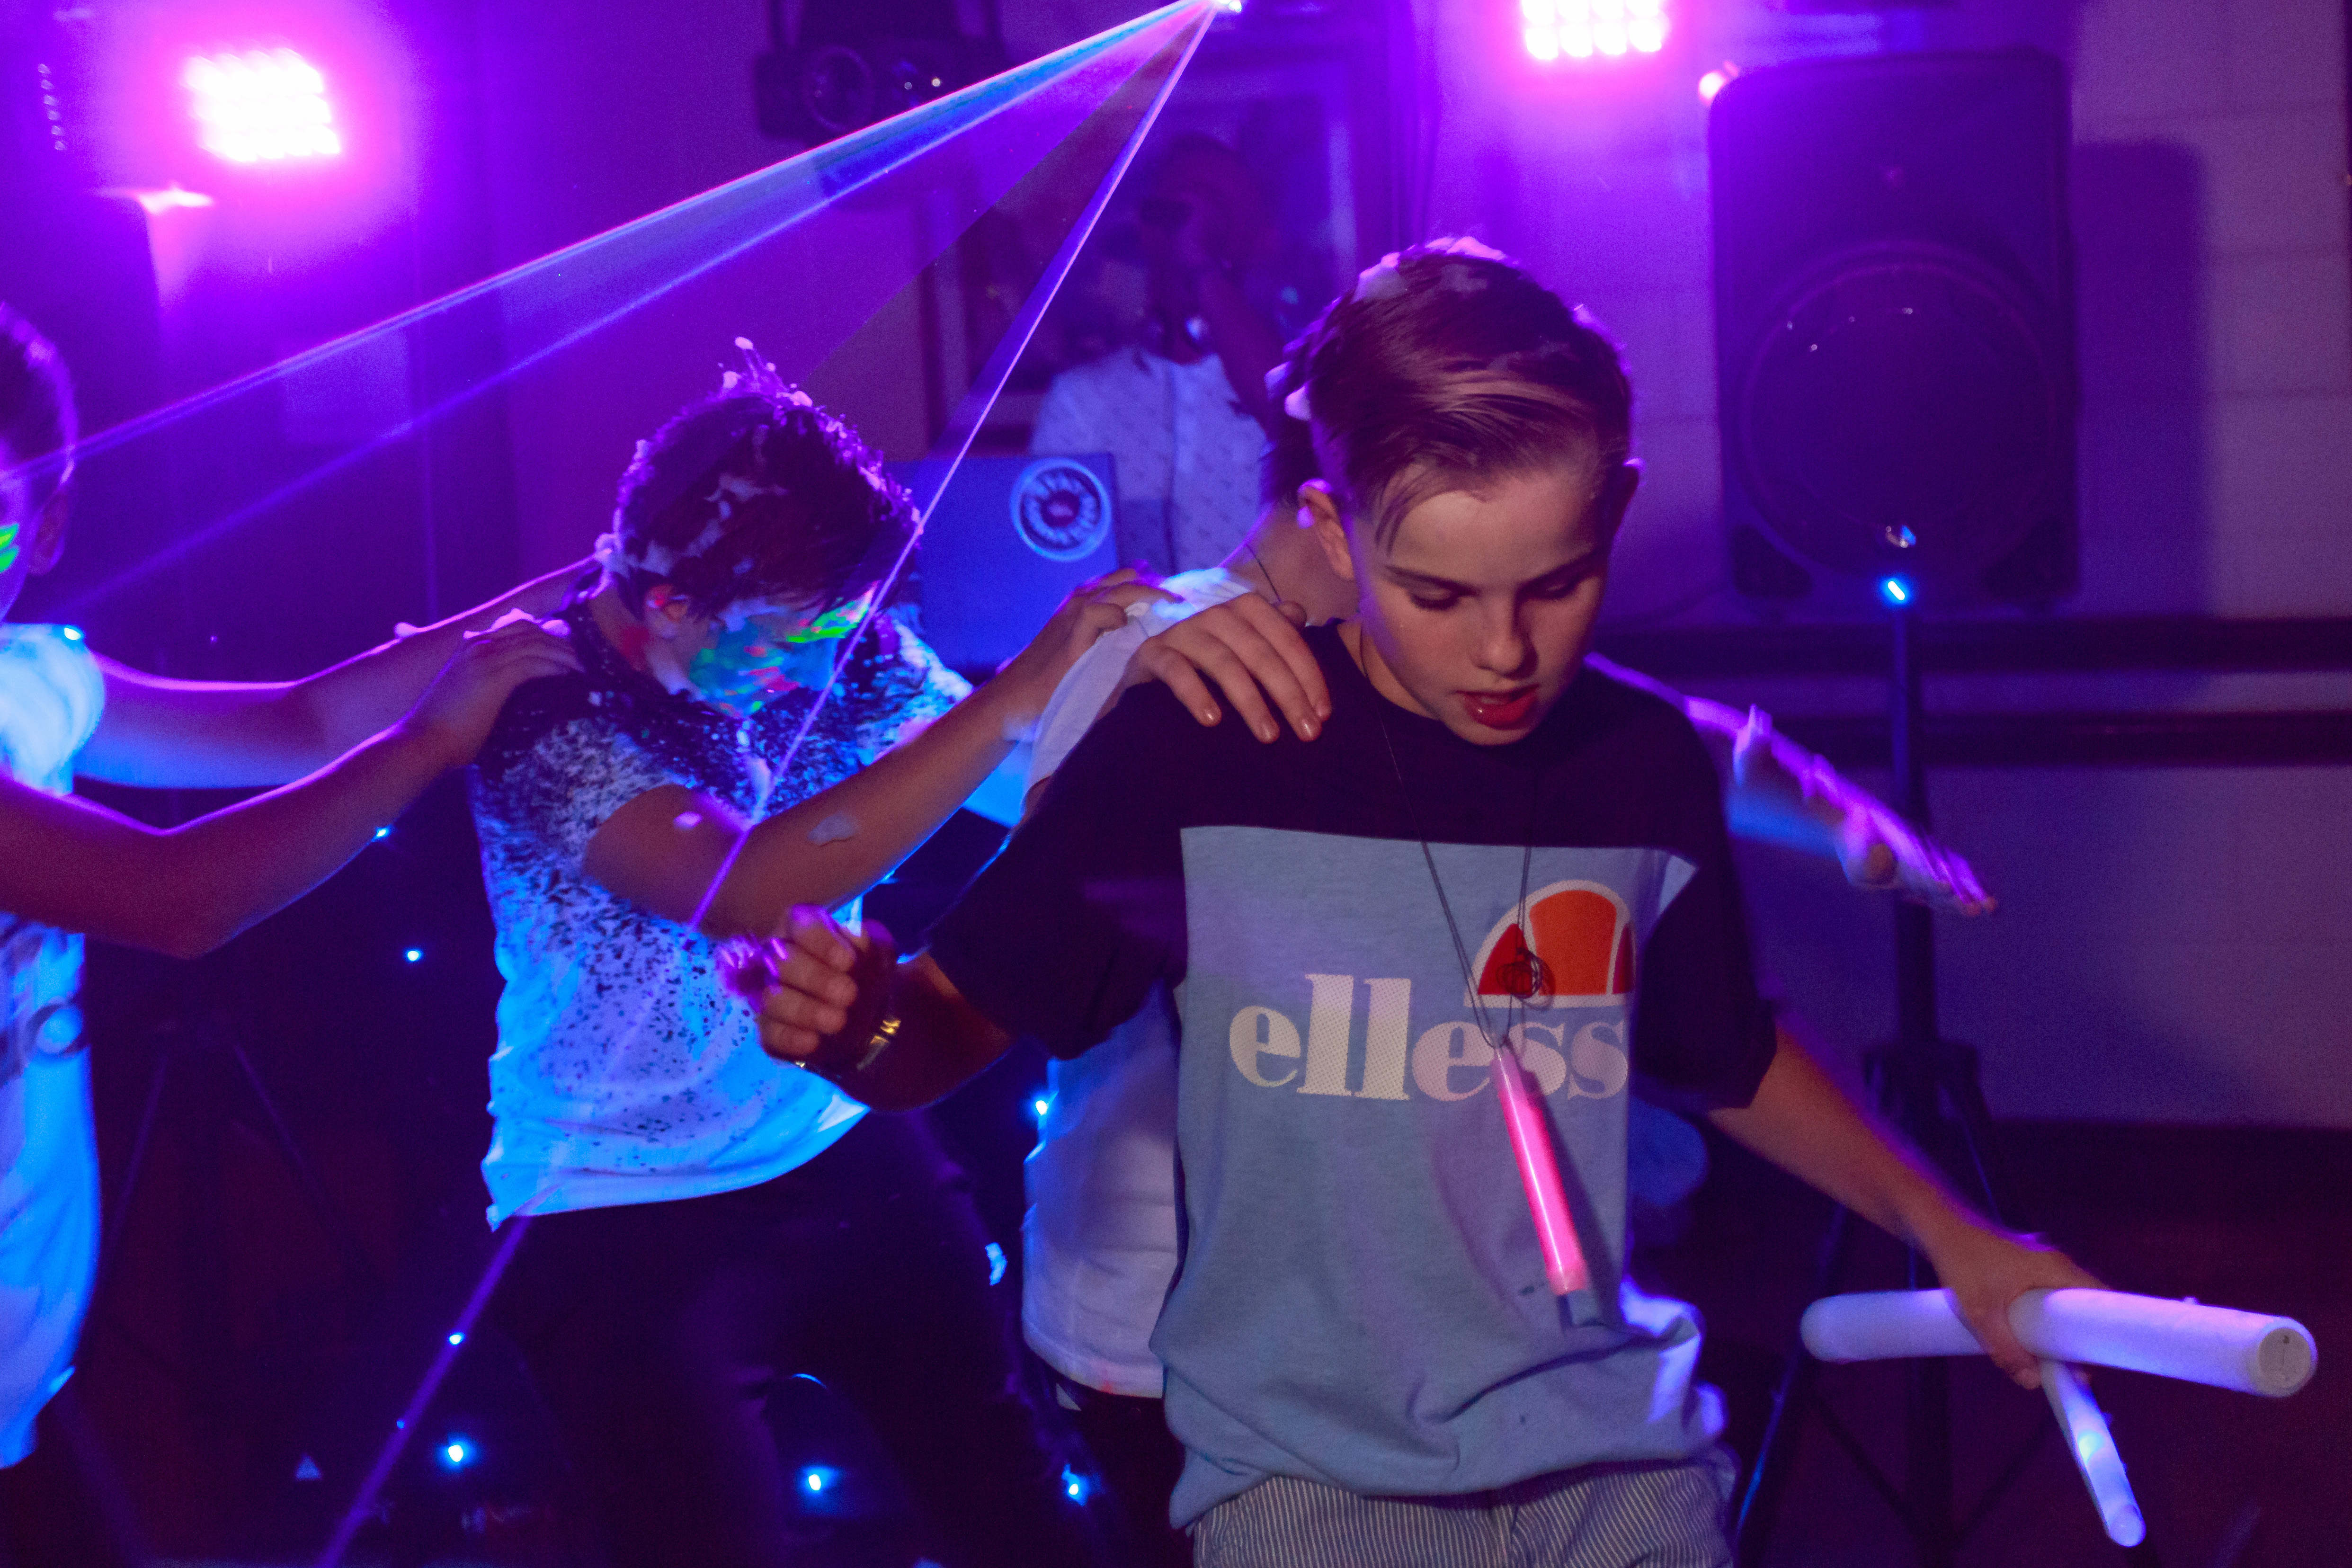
(1523, 1119)
(1564, 1267)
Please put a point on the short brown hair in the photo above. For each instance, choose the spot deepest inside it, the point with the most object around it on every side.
(1447, 365)
(758, 494)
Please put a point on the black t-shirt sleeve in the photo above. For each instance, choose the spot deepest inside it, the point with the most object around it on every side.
(1702, 1035)
(1063, 934)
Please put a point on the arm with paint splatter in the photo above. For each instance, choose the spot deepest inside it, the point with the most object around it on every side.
(691, 858)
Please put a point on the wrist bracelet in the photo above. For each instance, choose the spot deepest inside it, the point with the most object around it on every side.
(885, 1035)
(838, 1063)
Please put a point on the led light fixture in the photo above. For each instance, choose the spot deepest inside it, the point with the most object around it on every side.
(261, 106)
(1592, 29)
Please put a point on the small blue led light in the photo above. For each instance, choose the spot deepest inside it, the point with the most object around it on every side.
(995, 1263)
(819, 1478)
(457, 1338)
(1039, 1106)
(414, 956)
(71, 633)
(457, 1453)
(384, 833)
(1894, 590)
(1075, 1485)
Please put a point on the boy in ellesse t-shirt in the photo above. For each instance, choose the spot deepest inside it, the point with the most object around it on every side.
(1495, 867)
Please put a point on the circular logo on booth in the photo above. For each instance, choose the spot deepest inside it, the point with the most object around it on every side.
(1061, 509)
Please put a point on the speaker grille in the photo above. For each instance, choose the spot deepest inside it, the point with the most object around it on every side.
(1900, 413)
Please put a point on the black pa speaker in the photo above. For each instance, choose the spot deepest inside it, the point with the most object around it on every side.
(1894, 326)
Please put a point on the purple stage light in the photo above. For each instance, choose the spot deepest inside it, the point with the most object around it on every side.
(1589, 29)
(260, 106)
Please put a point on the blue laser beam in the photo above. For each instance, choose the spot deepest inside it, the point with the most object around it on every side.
(711, 226)
(362, 1506)
(933, 474)
(1183, 24)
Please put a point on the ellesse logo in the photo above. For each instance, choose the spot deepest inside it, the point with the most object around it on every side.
(1569, 946)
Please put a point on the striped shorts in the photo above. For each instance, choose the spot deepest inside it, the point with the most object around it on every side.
(1666, 1515)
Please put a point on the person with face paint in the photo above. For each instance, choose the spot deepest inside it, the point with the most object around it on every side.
(1419, 963)
(752, 730)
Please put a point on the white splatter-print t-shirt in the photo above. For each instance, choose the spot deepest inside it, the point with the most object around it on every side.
(51, 694)
(624, 1072)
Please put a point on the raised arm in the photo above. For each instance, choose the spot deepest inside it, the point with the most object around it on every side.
(186, 890)
(199, 734)
(685, 855)
(1782, 794)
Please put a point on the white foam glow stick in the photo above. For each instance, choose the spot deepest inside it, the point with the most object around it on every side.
(2244, 1350)
(2084, 1425)
(1563, 1258)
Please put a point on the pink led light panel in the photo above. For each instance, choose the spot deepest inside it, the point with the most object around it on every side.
(261, 106)
(1582, 29)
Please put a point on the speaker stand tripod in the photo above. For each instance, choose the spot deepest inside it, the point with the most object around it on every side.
(1927, 1087)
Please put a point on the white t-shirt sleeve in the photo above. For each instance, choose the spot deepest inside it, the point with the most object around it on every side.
(1079, 701)
(921, 687)
(51, 696)
(1093, 680)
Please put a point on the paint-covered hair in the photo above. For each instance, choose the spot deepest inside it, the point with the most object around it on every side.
(37, 405)
(1448, 365)
(756, 496)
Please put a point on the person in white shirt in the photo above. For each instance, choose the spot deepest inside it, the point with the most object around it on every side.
(1184, 413)
(752, 728)
(71, 867)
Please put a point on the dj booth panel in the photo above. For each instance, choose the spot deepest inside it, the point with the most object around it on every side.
(1009, 539)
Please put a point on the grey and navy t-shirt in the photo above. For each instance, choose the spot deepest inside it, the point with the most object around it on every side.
(1362, 1301)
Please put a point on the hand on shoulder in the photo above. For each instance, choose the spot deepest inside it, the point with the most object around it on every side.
(454, 716)
(1253, 651)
